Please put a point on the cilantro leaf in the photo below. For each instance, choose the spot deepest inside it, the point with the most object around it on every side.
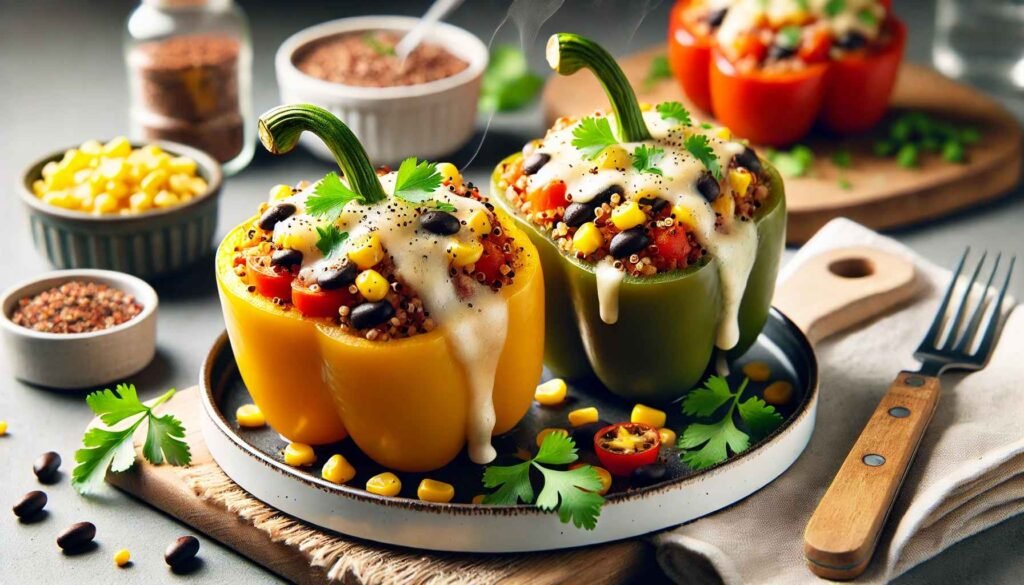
(789, 36)
(834, 7)
(113, 408)
(842, 159)
(165, 440)
(700, 147)
(513, 484)
(705, 401)
(674, 111)
(330, 197)
(659, 71)
(444, 206)
(560, 450)
(330, 240)
(760, 416)
(795, 162)
(867, 17)
(378, 47)
(564, 490)
(716, 438)
(646, 157)
(508, 83)
(416, 180)
(592, 135)
(100, 447)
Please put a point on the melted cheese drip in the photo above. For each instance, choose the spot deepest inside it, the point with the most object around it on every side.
(474, 328)
(734, 245)
(744, 16)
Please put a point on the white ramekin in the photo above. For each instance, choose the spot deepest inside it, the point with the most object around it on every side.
(427, 120)
(79, 360)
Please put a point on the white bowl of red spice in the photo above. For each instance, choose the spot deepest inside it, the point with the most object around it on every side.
(78, 328)
(426, 108)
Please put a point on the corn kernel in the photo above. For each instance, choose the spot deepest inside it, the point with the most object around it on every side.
(757, 371)
(478, 499)
(587, 238)
(39, 187)
(684, 215)
(162, 161)
(372, 285)
(82, 176)
(3, 428)
(723, 133)
(384, 484)
(628, 215)
(250, 416)
(116, 188)
(602, 474)
(75, 159)
(367, 252)
(104, 203)
(113, 169)
(543, 434)
(450, 174)
(117, 147)
(667, 436)
(479, 223)
(465, 253)
(431, 490)
(279, 192)
(725, 206)
(49, 169)
(645, 107)
(198, 185)
(139, 202)
(97, 183)
(62, 178)
(778, 393)
(182, 165)
(739, 180)
(179, 183)
(551, 392)
(165, 199)
(152, 150)
(58, 198)
(583, 416)
(299, 455)
(122, 557)
(154, 181)
(91, 148)
(338, 470)
(647, 415)
(614, 157)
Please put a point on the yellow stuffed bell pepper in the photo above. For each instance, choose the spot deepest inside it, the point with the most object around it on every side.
(409, 401)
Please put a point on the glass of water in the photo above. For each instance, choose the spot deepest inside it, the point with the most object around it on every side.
(982, 43)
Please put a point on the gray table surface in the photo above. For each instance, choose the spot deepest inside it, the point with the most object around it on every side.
(62, 81)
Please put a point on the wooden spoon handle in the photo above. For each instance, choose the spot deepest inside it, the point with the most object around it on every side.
(843, 531)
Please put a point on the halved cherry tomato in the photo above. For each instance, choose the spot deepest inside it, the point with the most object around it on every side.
(490, 261)
(673, 245)
(319, 303)
(548, 197)
(270, 281)
(622, 447)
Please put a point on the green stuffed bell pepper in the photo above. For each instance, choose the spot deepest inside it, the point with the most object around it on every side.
(660, 237)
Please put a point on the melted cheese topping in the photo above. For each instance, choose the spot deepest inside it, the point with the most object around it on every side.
(733, 245)
(745, 15)
(474, 328)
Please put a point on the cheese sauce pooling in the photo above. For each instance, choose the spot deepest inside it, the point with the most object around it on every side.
(475, 328)
(733, 245)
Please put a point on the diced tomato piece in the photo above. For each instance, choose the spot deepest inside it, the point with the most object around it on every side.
(550, 196)
(270, 281)
(750, 45)
(490, 261)
(815, 49)
(673, 245)
(319, 303)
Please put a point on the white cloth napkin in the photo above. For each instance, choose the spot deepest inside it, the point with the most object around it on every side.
(968, 474)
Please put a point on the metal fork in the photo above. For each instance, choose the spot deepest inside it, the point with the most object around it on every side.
(843, 531)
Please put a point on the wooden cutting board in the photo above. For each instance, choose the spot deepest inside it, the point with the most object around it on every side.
(166, 488)
(882, 194)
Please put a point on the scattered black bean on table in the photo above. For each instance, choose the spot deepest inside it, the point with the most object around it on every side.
(46, 467)
(371, 314)
(181, 551)
(77, 536)
(649, 474)
(275, 214)
(441, 223)
(30, 504)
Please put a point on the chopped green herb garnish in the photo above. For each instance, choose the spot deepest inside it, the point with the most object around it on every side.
(795, 162)
(592, 135)
(842, 159)
(969, 135)
(444, 206)
(706, 125)
(721, 437)
(508, 83)
(659, 71)
(646, 159)
(378, 47)
(867, 17)
(884, 148)
(845, 183)
(330, 197)
(572, 492)
(330, 241)
(674, 111)
(416, 181)
(789, 36)
(834, 7)
(699, 146)
(953, 151)
(907, 156)
(804, 5)
(114, 449)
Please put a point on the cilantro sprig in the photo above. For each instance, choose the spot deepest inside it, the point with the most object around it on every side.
(416, 181)
(113, 447)
(378, 47)
(700, 147)
(330, 240)
(722, 436)
(330, 197)
(674, 111)
(659, 71)
(572, 492)
(646, 158)
(593, 135)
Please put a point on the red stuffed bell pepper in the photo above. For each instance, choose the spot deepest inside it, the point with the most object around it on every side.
(768, 69)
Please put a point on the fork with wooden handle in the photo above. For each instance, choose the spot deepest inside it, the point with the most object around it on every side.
(844, 530)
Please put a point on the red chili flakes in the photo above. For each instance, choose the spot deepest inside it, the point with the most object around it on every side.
(76, 307)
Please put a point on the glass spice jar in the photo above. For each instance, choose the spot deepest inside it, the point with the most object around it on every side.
(190, 72)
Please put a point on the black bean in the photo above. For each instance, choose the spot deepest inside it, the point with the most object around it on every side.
(657, 204)
(748, 159)
(77, 536)
(337, 277)
(535, 162)
(441, 223)
(369, 315)
(851, 40)
(716, 16)
(649, 474)
(286, 257)
(780, 52)
(30, 505)
(577, 214)
(46, 467)
(279, 212)
(629, 242)
(181, 551)
(708, 186)
(605, 196)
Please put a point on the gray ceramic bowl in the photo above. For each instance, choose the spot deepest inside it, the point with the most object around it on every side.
(79, 360)
(148, 245)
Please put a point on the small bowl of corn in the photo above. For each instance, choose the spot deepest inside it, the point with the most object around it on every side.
(145, 209)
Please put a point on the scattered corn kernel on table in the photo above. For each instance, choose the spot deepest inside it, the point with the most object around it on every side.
(78, 61)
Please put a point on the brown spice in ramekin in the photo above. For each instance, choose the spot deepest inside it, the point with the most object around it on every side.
(76, 307)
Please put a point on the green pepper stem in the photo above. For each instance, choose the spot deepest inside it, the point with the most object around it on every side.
(567, 53)
(280, 129)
